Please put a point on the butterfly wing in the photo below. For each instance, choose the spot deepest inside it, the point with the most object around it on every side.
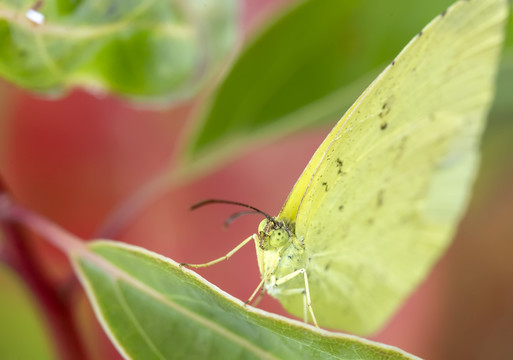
(382, 196)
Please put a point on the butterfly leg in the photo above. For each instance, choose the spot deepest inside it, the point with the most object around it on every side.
(305, 291)
(226, 257)
(259, 287)
(260, 296)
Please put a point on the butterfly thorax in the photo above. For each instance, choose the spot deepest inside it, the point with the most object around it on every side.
(279, 251)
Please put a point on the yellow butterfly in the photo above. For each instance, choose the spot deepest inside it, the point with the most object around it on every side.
(381, 197)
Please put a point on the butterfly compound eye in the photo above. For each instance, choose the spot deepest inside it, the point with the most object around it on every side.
(272, 235)
(278, 238)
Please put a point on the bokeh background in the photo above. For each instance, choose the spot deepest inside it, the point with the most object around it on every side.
(75, 158)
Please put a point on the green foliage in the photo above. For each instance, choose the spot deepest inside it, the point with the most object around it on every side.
(306, 68)
(150, 49)
(22, 332)
(154, 309)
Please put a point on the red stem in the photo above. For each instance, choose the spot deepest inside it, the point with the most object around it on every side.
(57, 308)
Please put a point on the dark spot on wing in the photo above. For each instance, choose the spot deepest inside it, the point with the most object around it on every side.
(385, 110)
(393, 62)
(325, 184)
(289, 256)
(339, 165)
(341, 207)
(327, 266)
(420, 34)
(443, 13)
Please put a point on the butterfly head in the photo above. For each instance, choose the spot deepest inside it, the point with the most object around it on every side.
(273, 234)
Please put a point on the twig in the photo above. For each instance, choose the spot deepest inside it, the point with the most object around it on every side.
(57, 309)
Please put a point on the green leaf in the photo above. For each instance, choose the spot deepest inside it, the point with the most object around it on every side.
(306, 68)
(499, 131)
(154, 309)
(503, 100)
(22, 331)
(496, 145)
(509, 28)
(152, 49)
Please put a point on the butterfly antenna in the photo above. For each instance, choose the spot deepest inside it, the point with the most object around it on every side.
(218, 201)
(237, 215)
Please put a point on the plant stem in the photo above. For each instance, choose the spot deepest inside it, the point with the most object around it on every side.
(55, 307)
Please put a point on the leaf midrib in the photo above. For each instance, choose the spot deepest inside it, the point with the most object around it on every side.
(118, 274)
